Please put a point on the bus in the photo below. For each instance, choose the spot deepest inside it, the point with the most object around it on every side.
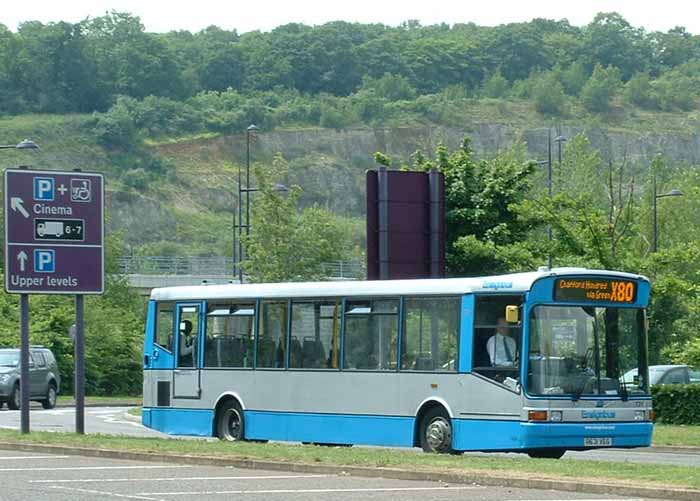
(529, 362)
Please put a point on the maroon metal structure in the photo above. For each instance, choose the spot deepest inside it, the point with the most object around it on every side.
(405, 224)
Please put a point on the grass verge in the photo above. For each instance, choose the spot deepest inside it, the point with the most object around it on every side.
(107, 401)
(601, 471)
(676, 435)
(136, 411)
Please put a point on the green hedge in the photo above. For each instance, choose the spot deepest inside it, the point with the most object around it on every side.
(677, 403)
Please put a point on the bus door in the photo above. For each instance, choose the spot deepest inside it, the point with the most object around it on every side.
(186, 377)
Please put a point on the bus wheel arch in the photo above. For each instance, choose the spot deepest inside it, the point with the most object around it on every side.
(229, 419)
(433, 429)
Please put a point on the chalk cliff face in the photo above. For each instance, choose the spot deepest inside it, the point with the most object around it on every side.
(330, 166)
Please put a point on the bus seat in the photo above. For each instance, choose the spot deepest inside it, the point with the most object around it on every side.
(312, 350)
(296, 352)
(424, 362)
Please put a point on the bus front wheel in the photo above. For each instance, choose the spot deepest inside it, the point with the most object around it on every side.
(230, 422)
(436, 431)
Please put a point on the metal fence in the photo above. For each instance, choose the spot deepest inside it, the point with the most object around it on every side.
(218, 266)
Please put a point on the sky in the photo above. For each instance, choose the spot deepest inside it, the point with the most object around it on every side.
(264, 15)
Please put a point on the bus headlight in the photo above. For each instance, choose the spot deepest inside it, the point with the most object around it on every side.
(555, 416)
(639, 415)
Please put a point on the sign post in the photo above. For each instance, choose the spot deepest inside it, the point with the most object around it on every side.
(54, 244)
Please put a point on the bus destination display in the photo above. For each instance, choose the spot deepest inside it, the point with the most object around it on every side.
(595, 289)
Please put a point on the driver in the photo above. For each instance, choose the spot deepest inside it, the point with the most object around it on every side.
(501, 347)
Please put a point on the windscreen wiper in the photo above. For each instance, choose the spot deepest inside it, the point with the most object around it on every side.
(582, 387)
(622, 385)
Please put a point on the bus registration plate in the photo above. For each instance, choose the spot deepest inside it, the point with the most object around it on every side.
(597, 441)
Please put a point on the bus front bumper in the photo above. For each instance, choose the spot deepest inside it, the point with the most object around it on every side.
(484, 435)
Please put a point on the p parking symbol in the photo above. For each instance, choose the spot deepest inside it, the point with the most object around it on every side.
(44, 261)
(43, 189)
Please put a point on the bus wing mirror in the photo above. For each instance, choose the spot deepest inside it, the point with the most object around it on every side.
(512, 314)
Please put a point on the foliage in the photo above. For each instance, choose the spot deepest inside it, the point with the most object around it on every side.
(677, 404)
(592, 211)
(287, 244)
(548, 95)
(574, 77)
(600, 89)
(638, 91)
(86, 66)
(496, 86)
(484, 233)
(114, 326)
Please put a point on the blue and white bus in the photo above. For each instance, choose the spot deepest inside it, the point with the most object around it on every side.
(528, 362)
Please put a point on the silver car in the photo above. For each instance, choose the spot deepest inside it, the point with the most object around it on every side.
(44, 379)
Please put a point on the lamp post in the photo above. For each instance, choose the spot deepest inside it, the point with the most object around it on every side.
(250, 131)
(673, 193)
(550, 182)
(238, 249)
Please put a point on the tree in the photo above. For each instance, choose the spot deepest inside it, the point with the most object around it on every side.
(496, 86)
(600, 89)
(484, 232)
(638, 91)
(609, 40)
(574, 77)
(548, 94)
(592, 212)
(286, 244)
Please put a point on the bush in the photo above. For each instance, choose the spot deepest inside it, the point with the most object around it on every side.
(638, 91)
(116, 128)
(677, 404)
(548, 94)
(136, 179)
(496, 86)
(600, 89)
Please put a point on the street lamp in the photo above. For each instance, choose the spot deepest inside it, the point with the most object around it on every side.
(27, 144)
(247, 190)
(560, 139)
(673, 193)
(550, 183)
(238, 249)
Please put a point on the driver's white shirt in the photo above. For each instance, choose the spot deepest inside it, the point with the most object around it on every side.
(496, 347)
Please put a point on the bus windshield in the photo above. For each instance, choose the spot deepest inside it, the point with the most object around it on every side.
(585, 351)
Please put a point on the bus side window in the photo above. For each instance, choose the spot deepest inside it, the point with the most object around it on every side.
(431, 333)
(272, 341)
(315, 328)
(371, 332)
(229, 340)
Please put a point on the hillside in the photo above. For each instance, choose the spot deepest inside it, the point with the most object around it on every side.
(186, 208)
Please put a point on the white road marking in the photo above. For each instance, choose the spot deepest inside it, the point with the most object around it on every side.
(31, 457)
(79, 468)
(310, 491)
(102, 493)
(168, 479)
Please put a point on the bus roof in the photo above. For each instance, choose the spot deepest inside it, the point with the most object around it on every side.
(514, 283)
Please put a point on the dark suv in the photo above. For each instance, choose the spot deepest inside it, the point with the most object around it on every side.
(44, 380)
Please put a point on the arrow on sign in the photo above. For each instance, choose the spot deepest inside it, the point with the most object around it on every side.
(22, 258)
(16, 205)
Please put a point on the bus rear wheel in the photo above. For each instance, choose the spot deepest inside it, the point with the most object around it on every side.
(546, 453)
(230, 422)
(436, 431)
